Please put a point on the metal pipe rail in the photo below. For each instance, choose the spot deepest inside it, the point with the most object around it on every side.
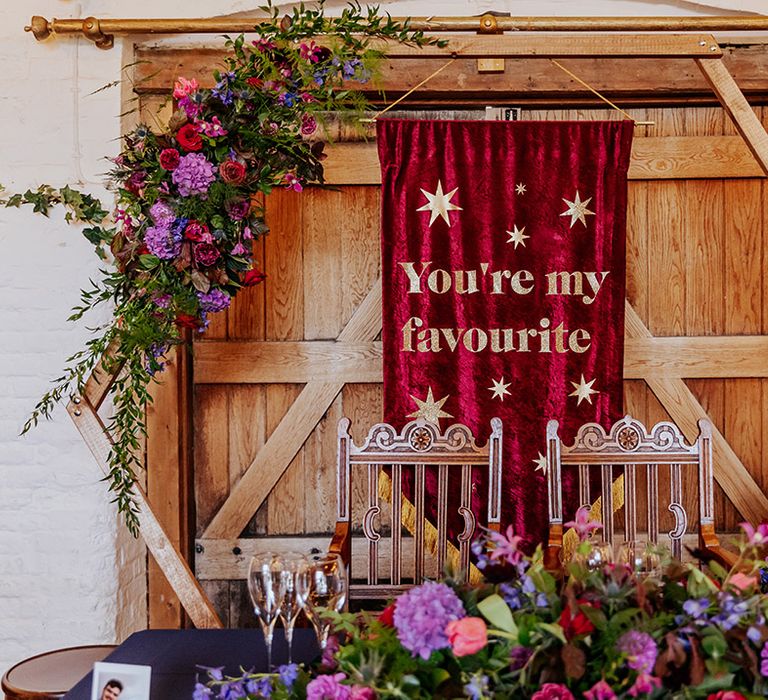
(102, 31)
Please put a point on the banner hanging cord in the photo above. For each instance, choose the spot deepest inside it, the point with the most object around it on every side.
(411, 91)
(602, 97)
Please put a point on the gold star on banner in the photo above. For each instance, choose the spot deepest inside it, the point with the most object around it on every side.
(577, 209)
(439, 203)
(583, 390)
(499, 389)
(541, 463)
(429, 409)
(517, 236)
(520, 188)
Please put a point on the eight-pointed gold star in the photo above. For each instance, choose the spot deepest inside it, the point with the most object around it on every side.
(520, 188)
(583, 390)
(439, 203)
(577, 209)
(499, 389)
(517, 236)
(541, 463)
(429, 409)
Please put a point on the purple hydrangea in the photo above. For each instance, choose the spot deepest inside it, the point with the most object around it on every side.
(215, 300)
(162, 242)
(194, 174)
(764, 661)
(422, 615)
(328, 687)
(641, 650)
(162, 214)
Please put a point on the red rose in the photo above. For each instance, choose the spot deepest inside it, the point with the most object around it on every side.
(253, 277)
(196, 231)
(206, 254)
(232, 171)
(187, 321)
(169, 159)
(189, 138)
(386, 616)
(726, 695)
(575, 625)
(552, 691)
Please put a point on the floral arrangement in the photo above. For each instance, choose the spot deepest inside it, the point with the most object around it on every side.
(189, 201)
(601, 632)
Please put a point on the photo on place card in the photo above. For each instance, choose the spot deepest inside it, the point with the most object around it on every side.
(120, 681)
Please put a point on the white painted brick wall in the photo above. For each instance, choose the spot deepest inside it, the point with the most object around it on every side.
(69, 574)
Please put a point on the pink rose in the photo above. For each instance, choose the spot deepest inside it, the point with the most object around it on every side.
(600, 691)
(741, 581)
(206, 254)
(467, 635)
(552, 691)
(726, 695)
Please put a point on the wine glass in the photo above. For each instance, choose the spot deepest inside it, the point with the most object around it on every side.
(639, 558)
(294, 576)
(264, 586)
(325, 588)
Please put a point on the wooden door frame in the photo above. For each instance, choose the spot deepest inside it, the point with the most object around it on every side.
(365, 324)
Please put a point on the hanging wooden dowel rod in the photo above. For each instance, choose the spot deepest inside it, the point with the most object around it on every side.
(102, 31)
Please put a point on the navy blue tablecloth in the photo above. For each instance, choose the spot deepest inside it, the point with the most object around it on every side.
(174, 656)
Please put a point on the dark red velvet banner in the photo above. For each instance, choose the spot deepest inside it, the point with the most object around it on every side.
(503, 260)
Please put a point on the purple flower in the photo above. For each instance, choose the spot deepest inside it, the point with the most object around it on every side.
(477, 688)
(328, 688)
(732, 611)
(201, 692)
(222, 89)
(519, 657)
(288, 674)
(328, 658)
(755, 537)
(214, 300)
(422, 615)
(239, 249)
(237, 208)
(600, 691)
(162, 214)
(194, 174)
(162, 300)
(640, 649)
(262, 687)
(162, 242)
(764, 661)
(697, 609)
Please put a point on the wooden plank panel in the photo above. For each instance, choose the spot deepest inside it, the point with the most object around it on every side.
(672, 80)
(738, 108)
(246, 315)
(303, 361)
(653, 158)
(320, 453)
(286, 503)
(211, 446)
(704, 249)
(322, 261)
(166, 458)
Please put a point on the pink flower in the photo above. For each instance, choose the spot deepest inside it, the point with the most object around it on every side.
(600, 691)
(183, 87)
(308, 125)
(506, 547)
(644, 685)
(755, 537)
(211, 129)
(361, 693)
(584, 528)
(552, 691)
(467, 635)
(239, 249)
(292, 182)
(328, 688)
(726, 695)
(742, 581)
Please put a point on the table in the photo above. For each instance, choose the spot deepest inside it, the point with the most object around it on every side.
(174, 656)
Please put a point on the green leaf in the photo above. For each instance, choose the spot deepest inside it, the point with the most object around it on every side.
(497, 612)
(554, 629)
(149, 262)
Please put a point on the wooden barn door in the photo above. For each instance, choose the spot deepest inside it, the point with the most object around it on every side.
(272, 376)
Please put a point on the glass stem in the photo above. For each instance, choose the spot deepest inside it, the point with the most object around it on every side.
(289, 638)
(268, 641)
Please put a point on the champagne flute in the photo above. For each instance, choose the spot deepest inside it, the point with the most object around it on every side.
(264, 587)
(325, 588)
(293, 577)
(640, 559)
